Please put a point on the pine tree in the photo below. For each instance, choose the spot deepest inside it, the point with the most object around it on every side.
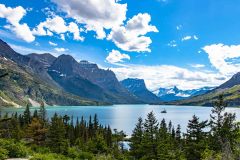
(27, 115)
(150, 136)
(178, 134)
(56, 134)
(196, 138)
(109, 137)
(95, 124)
(90, 127)
(223, 129)
(36, 131)
(35, 114)
(43, 112)
(136, 148)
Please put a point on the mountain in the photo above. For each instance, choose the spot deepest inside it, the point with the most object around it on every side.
(21, 87)
(86, 79)
(173, 94)
(138, 88)
(82, 82)
(230, 90)
(46, 59)
(234, 80)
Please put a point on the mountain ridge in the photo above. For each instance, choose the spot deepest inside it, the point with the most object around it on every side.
(138, 88)
(93, 84)
(174, 93)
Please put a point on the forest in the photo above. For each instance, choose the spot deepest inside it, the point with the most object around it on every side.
(35, 137)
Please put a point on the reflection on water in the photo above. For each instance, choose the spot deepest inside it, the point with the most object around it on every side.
(124, 117)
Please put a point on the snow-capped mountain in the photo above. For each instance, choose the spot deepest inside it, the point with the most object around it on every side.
(174, 93)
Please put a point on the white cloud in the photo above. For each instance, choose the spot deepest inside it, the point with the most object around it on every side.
(132, 36)
(57, 25)
(73, 28)
(186, 38)
(190, 37)
(172, 43)
(61, 49)
(13, 17)
(52, 43)
(179, 27)
(115, 57)
(195, 37)
(223, 57)
(197, 65)
(159, 76)
(62, 37)
(96, 15)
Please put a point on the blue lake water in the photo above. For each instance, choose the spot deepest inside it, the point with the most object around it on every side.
(124, 117)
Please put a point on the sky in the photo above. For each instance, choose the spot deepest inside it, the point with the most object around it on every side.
(183, 43)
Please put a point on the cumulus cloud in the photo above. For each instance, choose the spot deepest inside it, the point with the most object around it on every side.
(115, 57)
(61, 49)
(223, 57)
(132, 37)
(13, 17)
(57, 25)
(159, 76)
(52, 43)
(96, 15)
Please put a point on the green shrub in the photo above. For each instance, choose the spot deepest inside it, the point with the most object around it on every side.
(15, 149)
(49, 156)
(85, 155)
(76, 153)
(3, 153)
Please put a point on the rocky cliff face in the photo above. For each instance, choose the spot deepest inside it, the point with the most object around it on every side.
(138, 88)
(114, 92)
(76, 81)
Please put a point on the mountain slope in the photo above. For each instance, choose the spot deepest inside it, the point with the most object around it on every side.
(21, 86)
(230, 89)
(82, 79)
(138, 88)
(234, 80)
(46, 59)
(104, 81)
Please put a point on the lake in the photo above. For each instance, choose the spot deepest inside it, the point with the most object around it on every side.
(124, 117)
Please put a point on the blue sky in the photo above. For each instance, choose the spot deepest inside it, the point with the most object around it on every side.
(186, 43)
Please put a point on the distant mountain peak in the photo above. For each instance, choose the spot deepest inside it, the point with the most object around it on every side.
(174, 93)
(138, 88)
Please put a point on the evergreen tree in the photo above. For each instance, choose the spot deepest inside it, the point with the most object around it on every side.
(150, 136)
(90, 127)
(36, 131)
(35, 114)
(95, 124)
(196, 138)
(109, 137)
(27, 115)
(223, 129)
(178, 134)
(56, 134)
(43, 112)
(136, 140)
